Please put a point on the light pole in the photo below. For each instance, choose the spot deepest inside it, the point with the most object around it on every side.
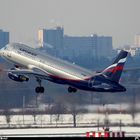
(98, 120)
(120, 118)
(23, 107)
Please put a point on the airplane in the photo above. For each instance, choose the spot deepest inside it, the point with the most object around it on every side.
(29, 62)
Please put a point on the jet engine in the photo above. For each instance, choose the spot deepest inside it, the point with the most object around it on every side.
(18, 78)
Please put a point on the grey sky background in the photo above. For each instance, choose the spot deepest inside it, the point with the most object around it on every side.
(117, 18)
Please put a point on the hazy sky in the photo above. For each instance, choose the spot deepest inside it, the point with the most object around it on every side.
(117, 18)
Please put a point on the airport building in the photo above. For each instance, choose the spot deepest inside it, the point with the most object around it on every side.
(4, 38)
(134, 49)
(137, 40)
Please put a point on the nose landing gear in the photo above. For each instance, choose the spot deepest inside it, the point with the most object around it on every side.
(39, 89)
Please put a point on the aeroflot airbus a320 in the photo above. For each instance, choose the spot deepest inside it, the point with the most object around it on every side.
(30, 62)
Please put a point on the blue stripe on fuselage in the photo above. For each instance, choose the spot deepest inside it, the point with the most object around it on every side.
(84, 84)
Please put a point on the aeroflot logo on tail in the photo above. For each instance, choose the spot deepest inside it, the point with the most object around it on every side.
(23, 50)
(116, 67)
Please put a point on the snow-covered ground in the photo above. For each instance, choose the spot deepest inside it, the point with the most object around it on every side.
(66, 120)
(89, 119)
(63, 132)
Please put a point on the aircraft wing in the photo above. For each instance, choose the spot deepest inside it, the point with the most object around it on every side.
(36, 72)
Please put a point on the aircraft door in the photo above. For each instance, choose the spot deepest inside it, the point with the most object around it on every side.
(41, 62)
(9, 54)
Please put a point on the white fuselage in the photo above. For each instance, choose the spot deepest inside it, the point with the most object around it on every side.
(30, 58)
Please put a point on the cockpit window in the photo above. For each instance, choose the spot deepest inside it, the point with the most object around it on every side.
(7, 47)
(83, 74)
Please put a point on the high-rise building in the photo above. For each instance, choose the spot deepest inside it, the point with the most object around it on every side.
(4, 38)
(52, 39)
(104, 46)
(41, 37)
(81, 49)
(94, 45)
(137, 40)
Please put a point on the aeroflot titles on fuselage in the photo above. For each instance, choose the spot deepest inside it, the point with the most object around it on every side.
(23, 50)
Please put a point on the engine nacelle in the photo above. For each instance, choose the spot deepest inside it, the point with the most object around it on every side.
(18, 78)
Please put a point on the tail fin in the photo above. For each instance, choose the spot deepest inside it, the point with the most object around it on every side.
(114, 71)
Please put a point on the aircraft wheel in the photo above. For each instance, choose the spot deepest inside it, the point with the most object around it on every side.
(70, 89)
(74, 90)
(42, 89)
(39, 89)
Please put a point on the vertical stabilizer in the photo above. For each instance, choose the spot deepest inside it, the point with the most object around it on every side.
(114, 71)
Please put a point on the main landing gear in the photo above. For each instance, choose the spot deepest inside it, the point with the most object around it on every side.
(39, 89)
(71, 89)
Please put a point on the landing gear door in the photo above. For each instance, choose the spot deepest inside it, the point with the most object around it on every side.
(91, 83)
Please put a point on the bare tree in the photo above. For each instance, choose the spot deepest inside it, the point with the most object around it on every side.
(106, 120)
(133, 105)
(74, 113)
(56, 110)
(8, 115)
(34, 114)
